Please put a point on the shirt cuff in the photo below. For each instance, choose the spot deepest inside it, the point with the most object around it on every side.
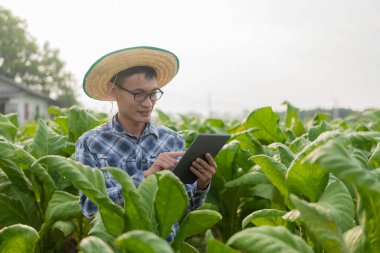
(200, 193)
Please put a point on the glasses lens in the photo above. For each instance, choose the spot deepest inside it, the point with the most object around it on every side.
(156, 95)
(140, 96)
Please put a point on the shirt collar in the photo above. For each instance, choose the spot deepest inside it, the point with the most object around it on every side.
(150, 128)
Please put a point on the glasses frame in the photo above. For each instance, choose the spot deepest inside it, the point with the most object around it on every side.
(158, 90)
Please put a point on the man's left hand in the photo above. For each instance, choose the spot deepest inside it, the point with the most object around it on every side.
(204, 170)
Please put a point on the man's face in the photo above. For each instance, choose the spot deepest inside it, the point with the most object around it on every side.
(133, 111)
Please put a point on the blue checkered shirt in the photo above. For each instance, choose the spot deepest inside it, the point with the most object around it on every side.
(110, 145)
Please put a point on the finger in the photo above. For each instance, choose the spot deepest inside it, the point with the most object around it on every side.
(211, 160)
(207, 172)
(174, 154)
(201, 175)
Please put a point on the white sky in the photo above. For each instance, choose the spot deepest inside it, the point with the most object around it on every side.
(235, 55)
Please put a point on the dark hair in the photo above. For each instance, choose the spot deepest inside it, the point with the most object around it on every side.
(149, 72)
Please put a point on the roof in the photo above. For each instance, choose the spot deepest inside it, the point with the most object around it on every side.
(23, 87)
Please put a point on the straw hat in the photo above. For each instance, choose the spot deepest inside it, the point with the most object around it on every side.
(96, 82)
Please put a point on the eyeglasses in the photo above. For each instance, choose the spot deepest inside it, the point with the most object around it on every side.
(140, 96)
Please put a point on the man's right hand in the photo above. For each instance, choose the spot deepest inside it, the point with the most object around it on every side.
(164, 161)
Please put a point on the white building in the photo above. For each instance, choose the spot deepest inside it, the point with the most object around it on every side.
(18, 98)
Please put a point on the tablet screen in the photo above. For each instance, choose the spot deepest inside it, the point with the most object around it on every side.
(203, 144)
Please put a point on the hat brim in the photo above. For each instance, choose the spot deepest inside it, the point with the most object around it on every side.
(96, 82)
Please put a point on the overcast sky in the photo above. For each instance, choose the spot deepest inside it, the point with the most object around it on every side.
(234, 55)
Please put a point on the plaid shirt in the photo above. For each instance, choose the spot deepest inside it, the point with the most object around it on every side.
(111, 145)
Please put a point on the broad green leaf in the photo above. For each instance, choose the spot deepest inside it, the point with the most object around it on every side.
(268, 240)
(57, 111)
(319, 117)
(24, 160)
(91, 182)
(18, 239)
(363, 140)
(275, 172)
(247, 180)
(187, 248)
(46, 141)
(266, 121)
(315, 131)
(62, 206)
(339, 203)
(99, 230)
(321, 224)
(171, 201)
(335, 158)
(265, 217)
(12, 211)
(247, 141)
(375, 157)
(286, 155)
(62, 229)
(299, 144)
(63, 123)
(13, 118)
(306, 179)
(92, 244)
(292, 120)
(147, 191)
(215, 246)
(80, 121)
(354, 238)
(194, 223)
(227, 161)
(7, 129)
(138, 241)
(136, 217)
(368, 212)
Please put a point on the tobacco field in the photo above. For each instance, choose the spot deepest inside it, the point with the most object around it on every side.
(282, 185)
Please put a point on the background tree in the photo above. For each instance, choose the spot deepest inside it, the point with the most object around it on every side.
(23, 61)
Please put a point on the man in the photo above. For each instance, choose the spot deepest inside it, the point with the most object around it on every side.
(133, 77)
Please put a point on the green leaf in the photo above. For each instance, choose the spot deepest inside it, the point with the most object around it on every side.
(309, 179)
(46, 141)
(18, 239)
(62, 206)
(227, 161)
(339, 203)
(315, 131)
(354, 238)
(138, 241)
(91, 182)
(92, 244)
(171, 201)
(195, 223)
(375, 157)
(80, 121)
(215, 246)
(274, 171)
(334, 158)
(7, 129)
(286, 155)
(268, 240)
(99, 230)
(136, 217)
(321, 224)
(266, 121)
(187, 248)
(12, 211)
(147, 191)
(62, 229)
(247, 180)
(265, 217)
(292, 120)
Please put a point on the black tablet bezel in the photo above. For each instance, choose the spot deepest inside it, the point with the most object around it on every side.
(202, 144)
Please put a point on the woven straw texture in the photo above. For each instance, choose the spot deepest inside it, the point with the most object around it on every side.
(97, 83)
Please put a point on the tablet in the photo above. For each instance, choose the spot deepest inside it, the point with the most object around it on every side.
(203, 144)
